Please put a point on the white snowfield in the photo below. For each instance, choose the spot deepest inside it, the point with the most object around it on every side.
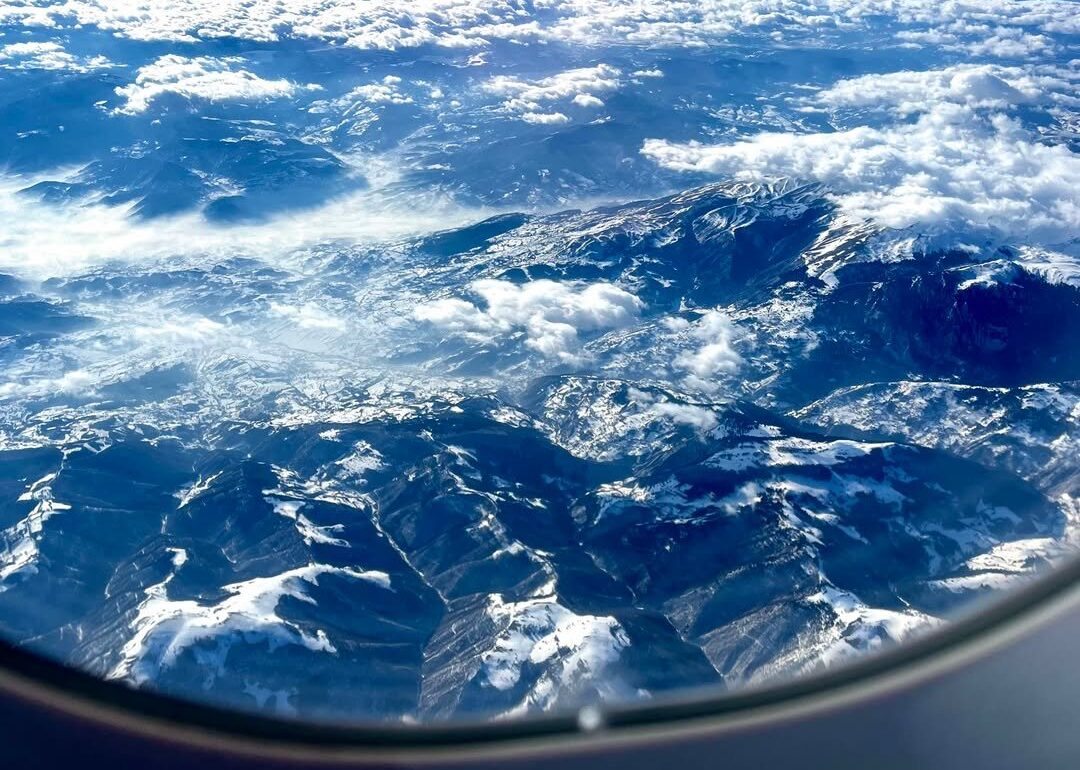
(164, 628)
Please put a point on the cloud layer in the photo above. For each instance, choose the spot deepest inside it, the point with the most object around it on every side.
(995, 27)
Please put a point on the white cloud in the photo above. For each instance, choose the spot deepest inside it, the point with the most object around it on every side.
(698, 417)
(979, 86)
(1001, 26)
(653, 406)
(550, 313)
(201, 77)
(454, 315)
(1011, 43)
(714, 355)
(528, 98)
(176, 331)
(952, 168)
(39, 240)
(588, 100)
(545, 118)
(75, 382)
(48, 56)
(385, 92)
(984, 40)
(308, 316)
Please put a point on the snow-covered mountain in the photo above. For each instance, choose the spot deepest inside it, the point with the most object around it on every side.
(493, 358)
(471, 512)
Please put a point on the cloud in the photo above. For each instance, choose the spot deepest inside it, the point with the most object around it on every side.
(1011, 43)
(979, 86)
(550, 313)
(983, 40)
(1000, 27)
(72, 383)
(39, 240)
(952, 168)
(697, 417)
(308, 316)
(385, 92)
(175, 331)
(713, 356)
(528, 98)
(545, 118)
(202, 77)
(364, 102)
(454, 315)
(655, 406)
(48, 56)
(588, 100)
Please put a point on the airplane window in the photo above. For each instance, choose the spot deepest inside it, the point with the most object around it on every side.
(411, 363)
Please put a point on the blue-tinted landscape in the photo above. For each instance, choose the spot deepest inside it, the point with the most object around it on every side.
(364, 360)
